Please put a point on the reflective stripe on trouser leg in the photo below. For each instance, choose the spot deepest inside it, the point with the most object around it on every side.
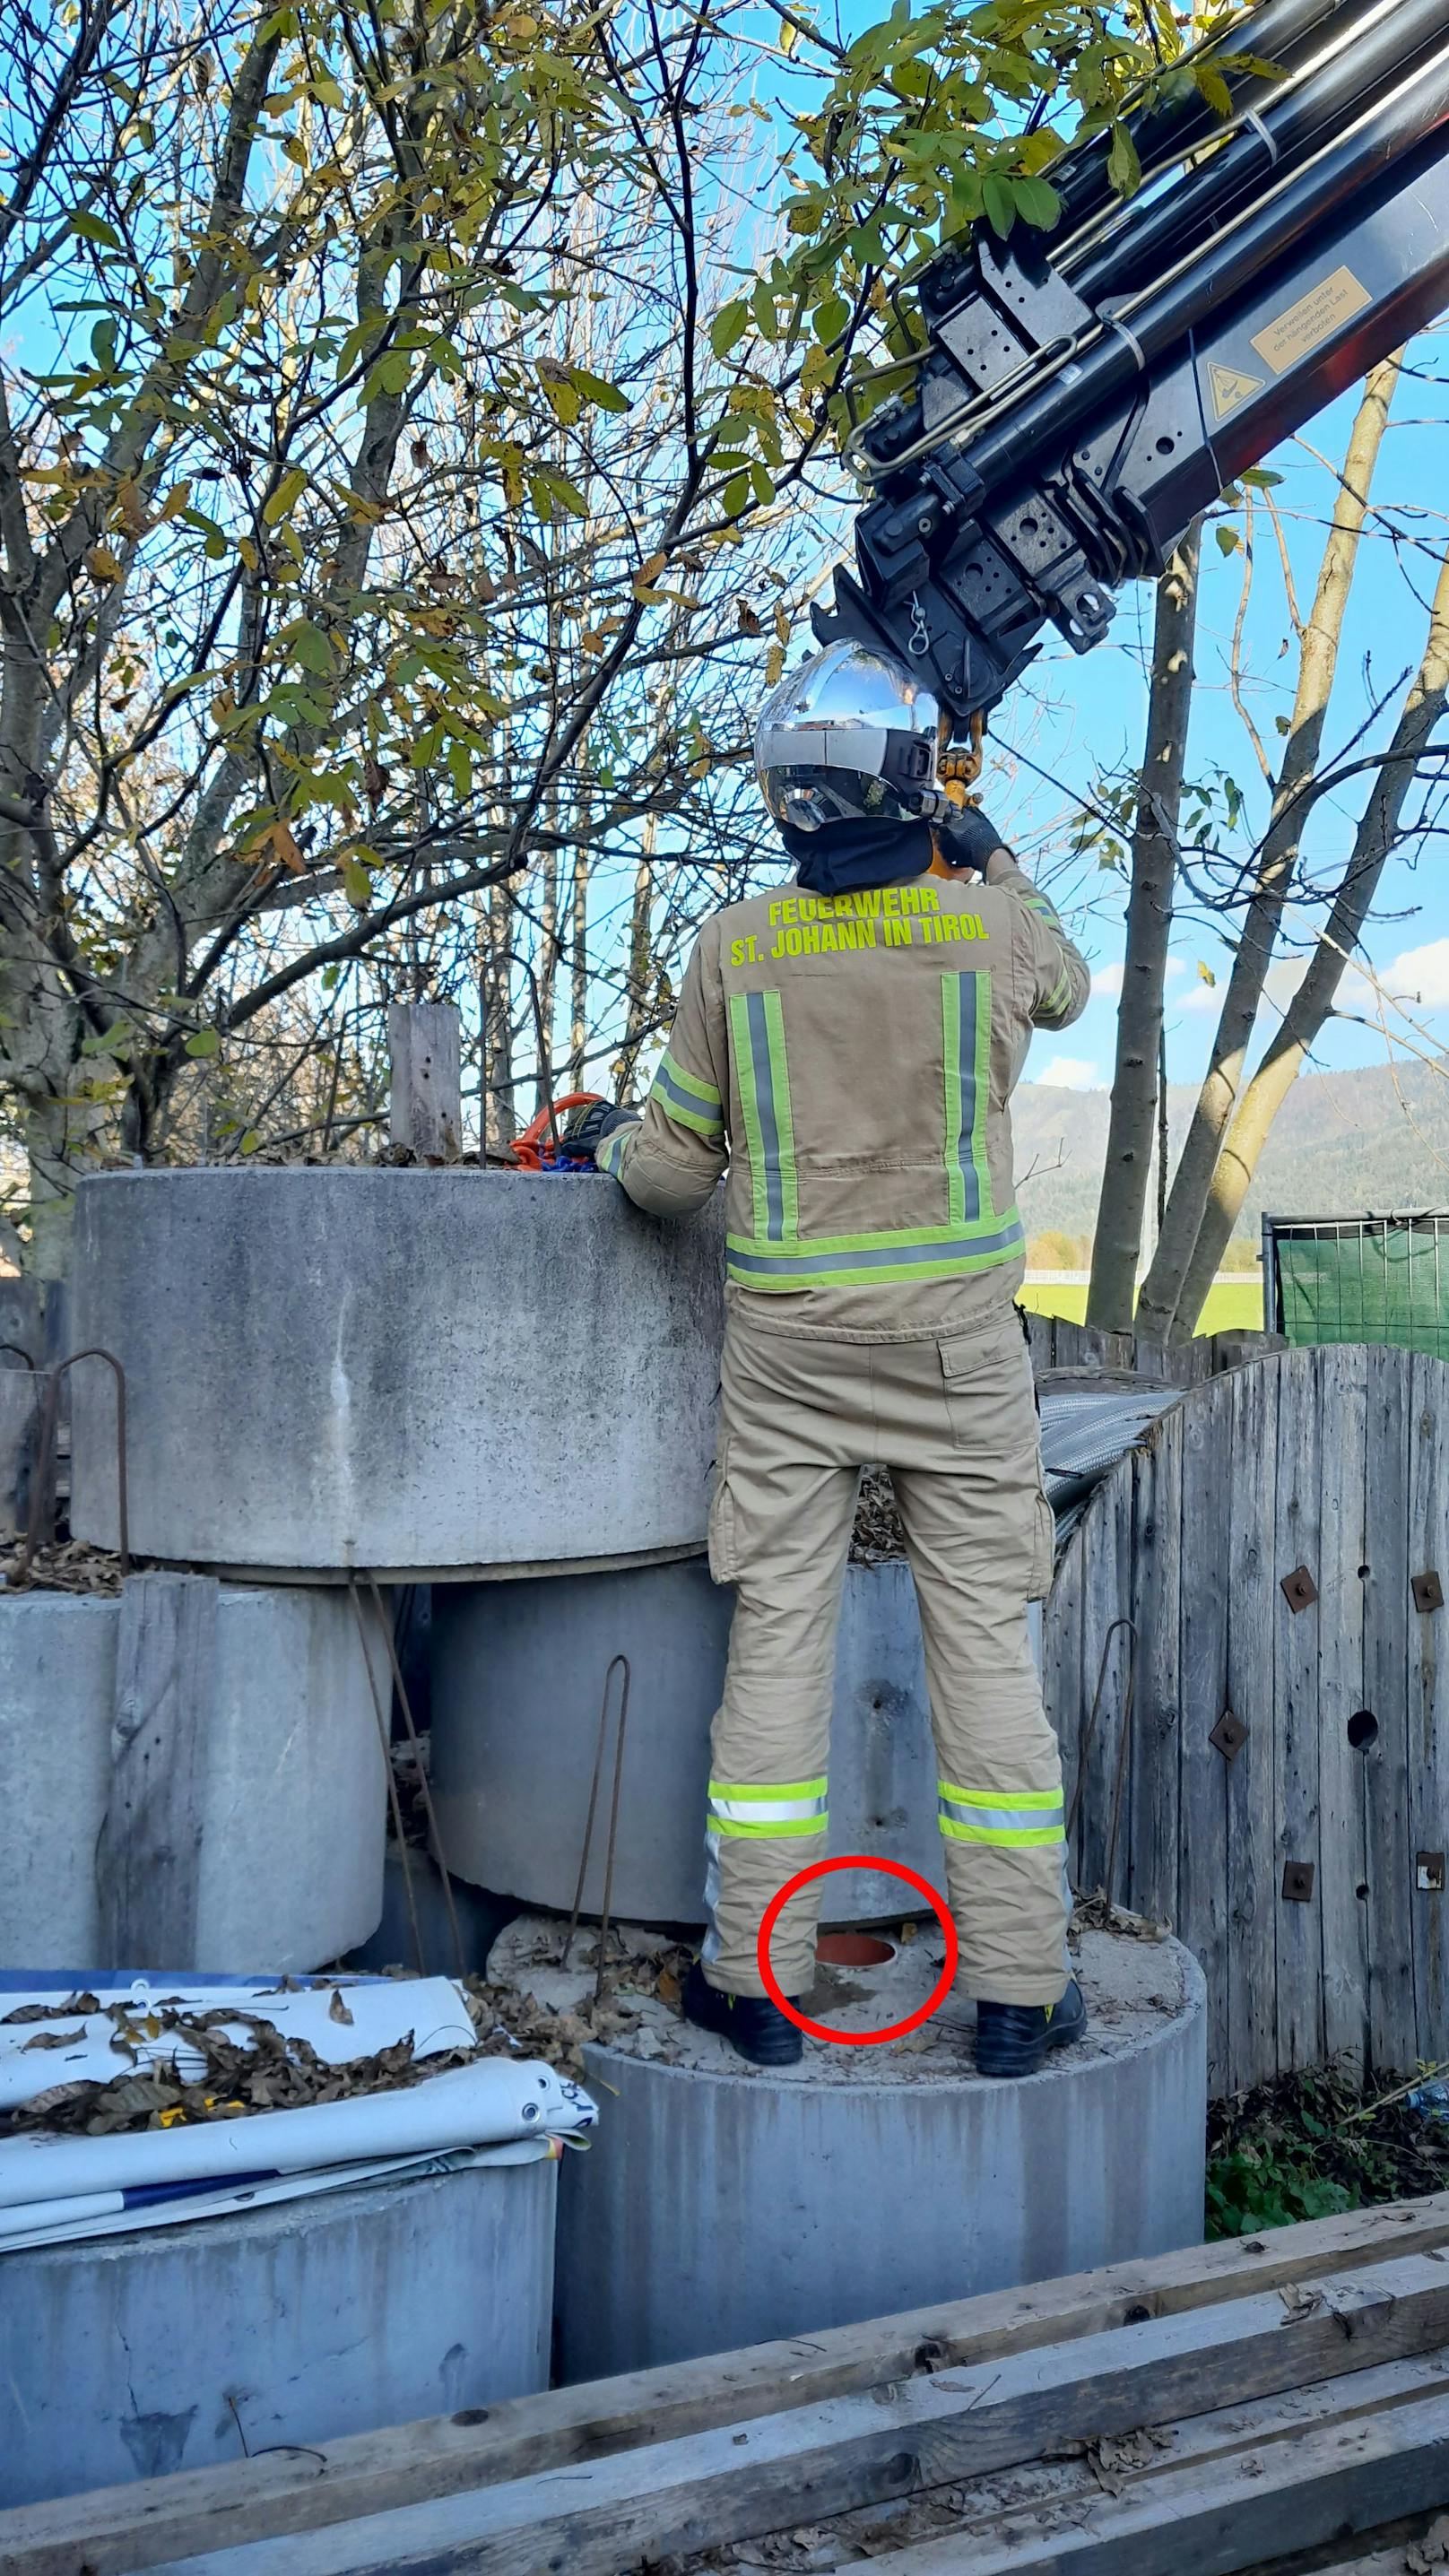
(790, 1817)
(969, 1529)
(783, 1544)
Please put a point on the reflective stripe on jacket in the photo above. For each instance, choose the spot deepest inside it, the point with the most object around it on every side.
(849, 1059)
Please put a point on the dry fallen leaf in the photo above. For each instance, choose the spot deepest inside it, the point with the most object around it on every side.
(337, 2009)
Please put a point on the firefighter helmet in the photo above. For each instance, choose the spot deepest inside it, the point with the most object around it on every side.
(849, 737)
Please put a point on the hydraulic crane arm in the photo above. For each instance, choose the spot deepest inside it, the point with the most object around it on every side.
(1085, 393)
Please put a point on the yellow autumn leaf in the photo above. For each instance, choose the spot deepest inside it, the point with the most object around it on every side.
(103, 564)
(283, 845)
(131, 509)
(774, 665)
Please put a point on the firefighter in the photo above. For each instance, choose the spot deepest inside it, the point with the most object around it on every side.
(845, 1048)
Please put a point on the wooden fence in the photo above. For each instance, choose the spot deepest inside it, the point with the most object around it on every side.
(1085, 1352)
(1281, 1542)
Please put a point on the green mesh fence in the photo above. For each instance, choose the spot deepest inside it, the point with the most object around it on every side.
(1359, 1279)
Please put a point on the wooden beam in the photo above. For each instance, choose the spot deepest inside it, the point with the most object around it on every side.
(595, 2519)
(426, 1103)
(147, 1862)
(117, 2530)
(1327, 2486)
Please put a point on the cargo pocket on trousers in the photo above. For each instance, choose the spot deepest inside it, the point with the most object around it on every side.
(988, 1387)
(724, 1553)
(1043, 1548)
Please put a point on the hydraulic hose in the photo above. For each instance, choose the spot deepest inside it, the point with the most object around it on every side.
(1171, 127)
(1206, 281)
(1354, 69)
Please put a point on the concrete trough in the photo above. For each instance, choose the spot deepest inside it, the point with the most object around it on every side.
(477, 1369)
(723, 2205)
(132, 2356)
(518, 1677)
(291, 1790)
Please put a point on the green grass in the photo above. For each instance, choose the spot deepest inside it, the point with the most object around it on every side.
(1233, 1305)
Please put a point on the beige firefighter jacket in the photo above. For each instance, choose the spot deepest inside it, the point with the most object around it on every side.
(849, 1059)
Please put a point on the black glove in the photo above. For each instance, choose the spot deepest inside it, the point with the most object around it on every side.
(965, 837)
(585, 1128)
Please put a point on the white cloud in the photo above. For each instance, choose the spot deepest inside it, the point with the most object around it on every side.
(1107, 980)
(1420, 976)
(1070, 1073)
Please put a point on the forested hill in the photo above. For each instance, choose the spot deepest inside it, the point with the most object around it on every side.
(1343, 1143)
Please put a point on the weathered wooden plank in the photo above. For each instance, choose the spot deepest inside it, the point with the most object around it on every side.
(426, 1103)
(1252, 1589)
(1156, 1607)
(1106, 1545)
(1011, 2505)
(1205, 1539)
(148, 1855)
(1429, 1703)
(1385, 1760)
(1333, 2483)
(1342, 1911)
(116, 2530)
(1298, 1541)
(1062, 1672)
(729, 2483)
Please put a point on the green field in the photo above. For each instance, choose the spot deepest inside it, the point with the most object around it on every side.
(1233, 1306)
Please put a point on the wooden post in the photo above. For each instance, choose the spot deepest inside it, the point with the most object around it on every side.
(148, 1860)
(424, 1042)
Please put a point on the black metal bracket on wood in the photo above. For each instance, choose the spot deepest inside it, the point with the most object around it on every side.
(1428, 1591)
(1298, 1876)
(1298, 1588)
(1229, 1736)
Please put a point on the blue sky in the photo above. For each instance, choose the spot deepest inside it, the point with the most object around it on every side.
(1074, 716)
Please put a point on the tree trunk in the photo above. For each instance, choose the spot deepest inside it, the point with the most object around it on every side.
(547, 965)
(501, 1124)
(640, 960)
(1158, 1306)
(580, 940)
(1117, 1246)
(1377, 834)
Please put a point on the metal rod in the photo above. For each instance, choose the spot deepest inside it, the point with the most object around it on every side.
(598, 1773)
(623, 1665)
(21, 1353)
(394, 1800)
(45, 1463)
(424, 1783)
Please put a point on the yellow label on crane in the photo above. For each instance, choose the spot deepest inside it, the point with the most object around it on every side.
(1231, 388)
(1314, 318)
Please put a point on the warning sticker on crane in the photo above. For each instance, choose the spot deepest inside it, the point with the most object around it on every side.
(1230, 388)
(1314, 318)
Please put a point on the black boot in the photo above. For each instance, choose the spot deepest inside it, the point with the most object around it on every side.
(1013, 2039)
(754, 2027)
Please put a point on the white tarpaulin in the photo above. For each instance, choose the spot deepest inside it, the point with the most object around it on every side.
(54, 2187)
(131, 2032)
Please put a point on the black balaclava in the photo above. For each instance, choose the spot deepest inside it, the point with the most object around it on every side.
(845, 858)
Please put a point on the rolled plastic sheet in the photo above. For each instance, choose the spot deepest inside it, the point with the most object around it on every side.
(122, 2213)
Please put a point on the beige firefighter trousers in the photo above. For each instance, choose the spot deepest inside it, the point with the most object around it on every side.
(955, 1421)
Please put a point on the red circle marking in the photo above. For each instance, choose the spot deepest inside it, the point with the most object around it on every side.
(820, 2029)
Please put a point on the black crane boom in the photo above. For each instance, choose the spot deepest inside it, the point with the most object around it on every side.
(1084, 394)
